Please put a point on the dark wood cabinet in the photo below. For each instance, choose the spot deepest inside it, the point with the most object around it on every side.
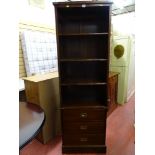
(83, 32)
(112, 91)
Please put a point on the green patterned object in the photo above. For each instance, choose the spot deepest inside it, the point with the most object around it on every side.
(118, 51)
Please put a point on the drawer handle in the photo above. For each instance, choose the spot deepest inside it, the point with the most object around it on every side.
(83, 5)
(83, 139)
(83, 115)
(83, 127)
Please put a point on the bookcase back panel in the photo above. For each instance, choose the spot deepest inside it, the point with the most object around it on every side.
(81, 20)
(84, 94)
(84, 71)
(84, 47)
(82, 27)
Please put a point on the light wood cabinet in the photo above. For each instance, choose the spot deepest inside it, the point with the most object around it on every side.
(43, 90)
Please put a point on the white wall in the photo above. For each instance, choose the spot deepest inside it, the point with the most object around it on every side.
(123, 24)
(131, 77)
(28, 13)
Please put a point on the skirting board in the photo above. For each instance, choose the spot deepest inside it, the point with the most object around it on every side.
(129, 96)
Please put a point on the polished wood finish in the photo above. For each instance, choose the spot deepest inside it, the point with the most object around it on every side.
(84, 149)
(83, 139)
(83, 38)
(82, 34)
(43, 90)
(84, 114)
(84, 127)
(120, 136)
(31, 119)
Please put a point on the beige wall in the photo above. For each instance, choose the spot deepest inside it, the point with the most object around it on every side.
(22, 72)
(31, 13)
(37, 19)
(29, 26)
(124, 25)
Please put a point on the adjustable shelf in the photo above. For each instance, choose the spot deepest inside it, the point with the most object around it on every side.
(79, 105)
(81, 59)
(83, 34)
(82, 83)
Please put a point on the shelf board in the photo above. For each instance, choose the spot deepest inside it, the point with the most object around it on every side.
(82, 59)
(82, 82)
(71, 18)
(84, 34)
(77, 105)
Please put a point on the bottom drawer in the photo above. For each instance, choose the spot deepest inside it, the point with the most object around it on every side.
(85, 139)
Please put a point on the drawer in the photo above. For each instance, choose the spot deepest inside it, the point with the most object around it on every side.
(85, 114)
(84, 127)
(84, 139)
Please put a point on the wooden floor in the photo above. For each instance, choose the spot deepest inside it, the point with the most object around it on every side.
(120, 135)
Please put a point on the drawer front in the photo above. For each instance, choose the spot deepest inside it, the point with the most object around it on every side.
(84, 139)
(84, 127)
(80, 115)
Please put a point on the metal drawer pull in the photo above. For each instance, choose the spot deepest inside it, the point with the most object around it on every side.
(108, 100)
(83, 115)
(83, 139)
(83, 5)
(83, 127)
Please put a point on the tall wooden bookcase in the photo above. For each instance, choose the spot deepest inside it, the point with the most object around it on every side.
(83, 32)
